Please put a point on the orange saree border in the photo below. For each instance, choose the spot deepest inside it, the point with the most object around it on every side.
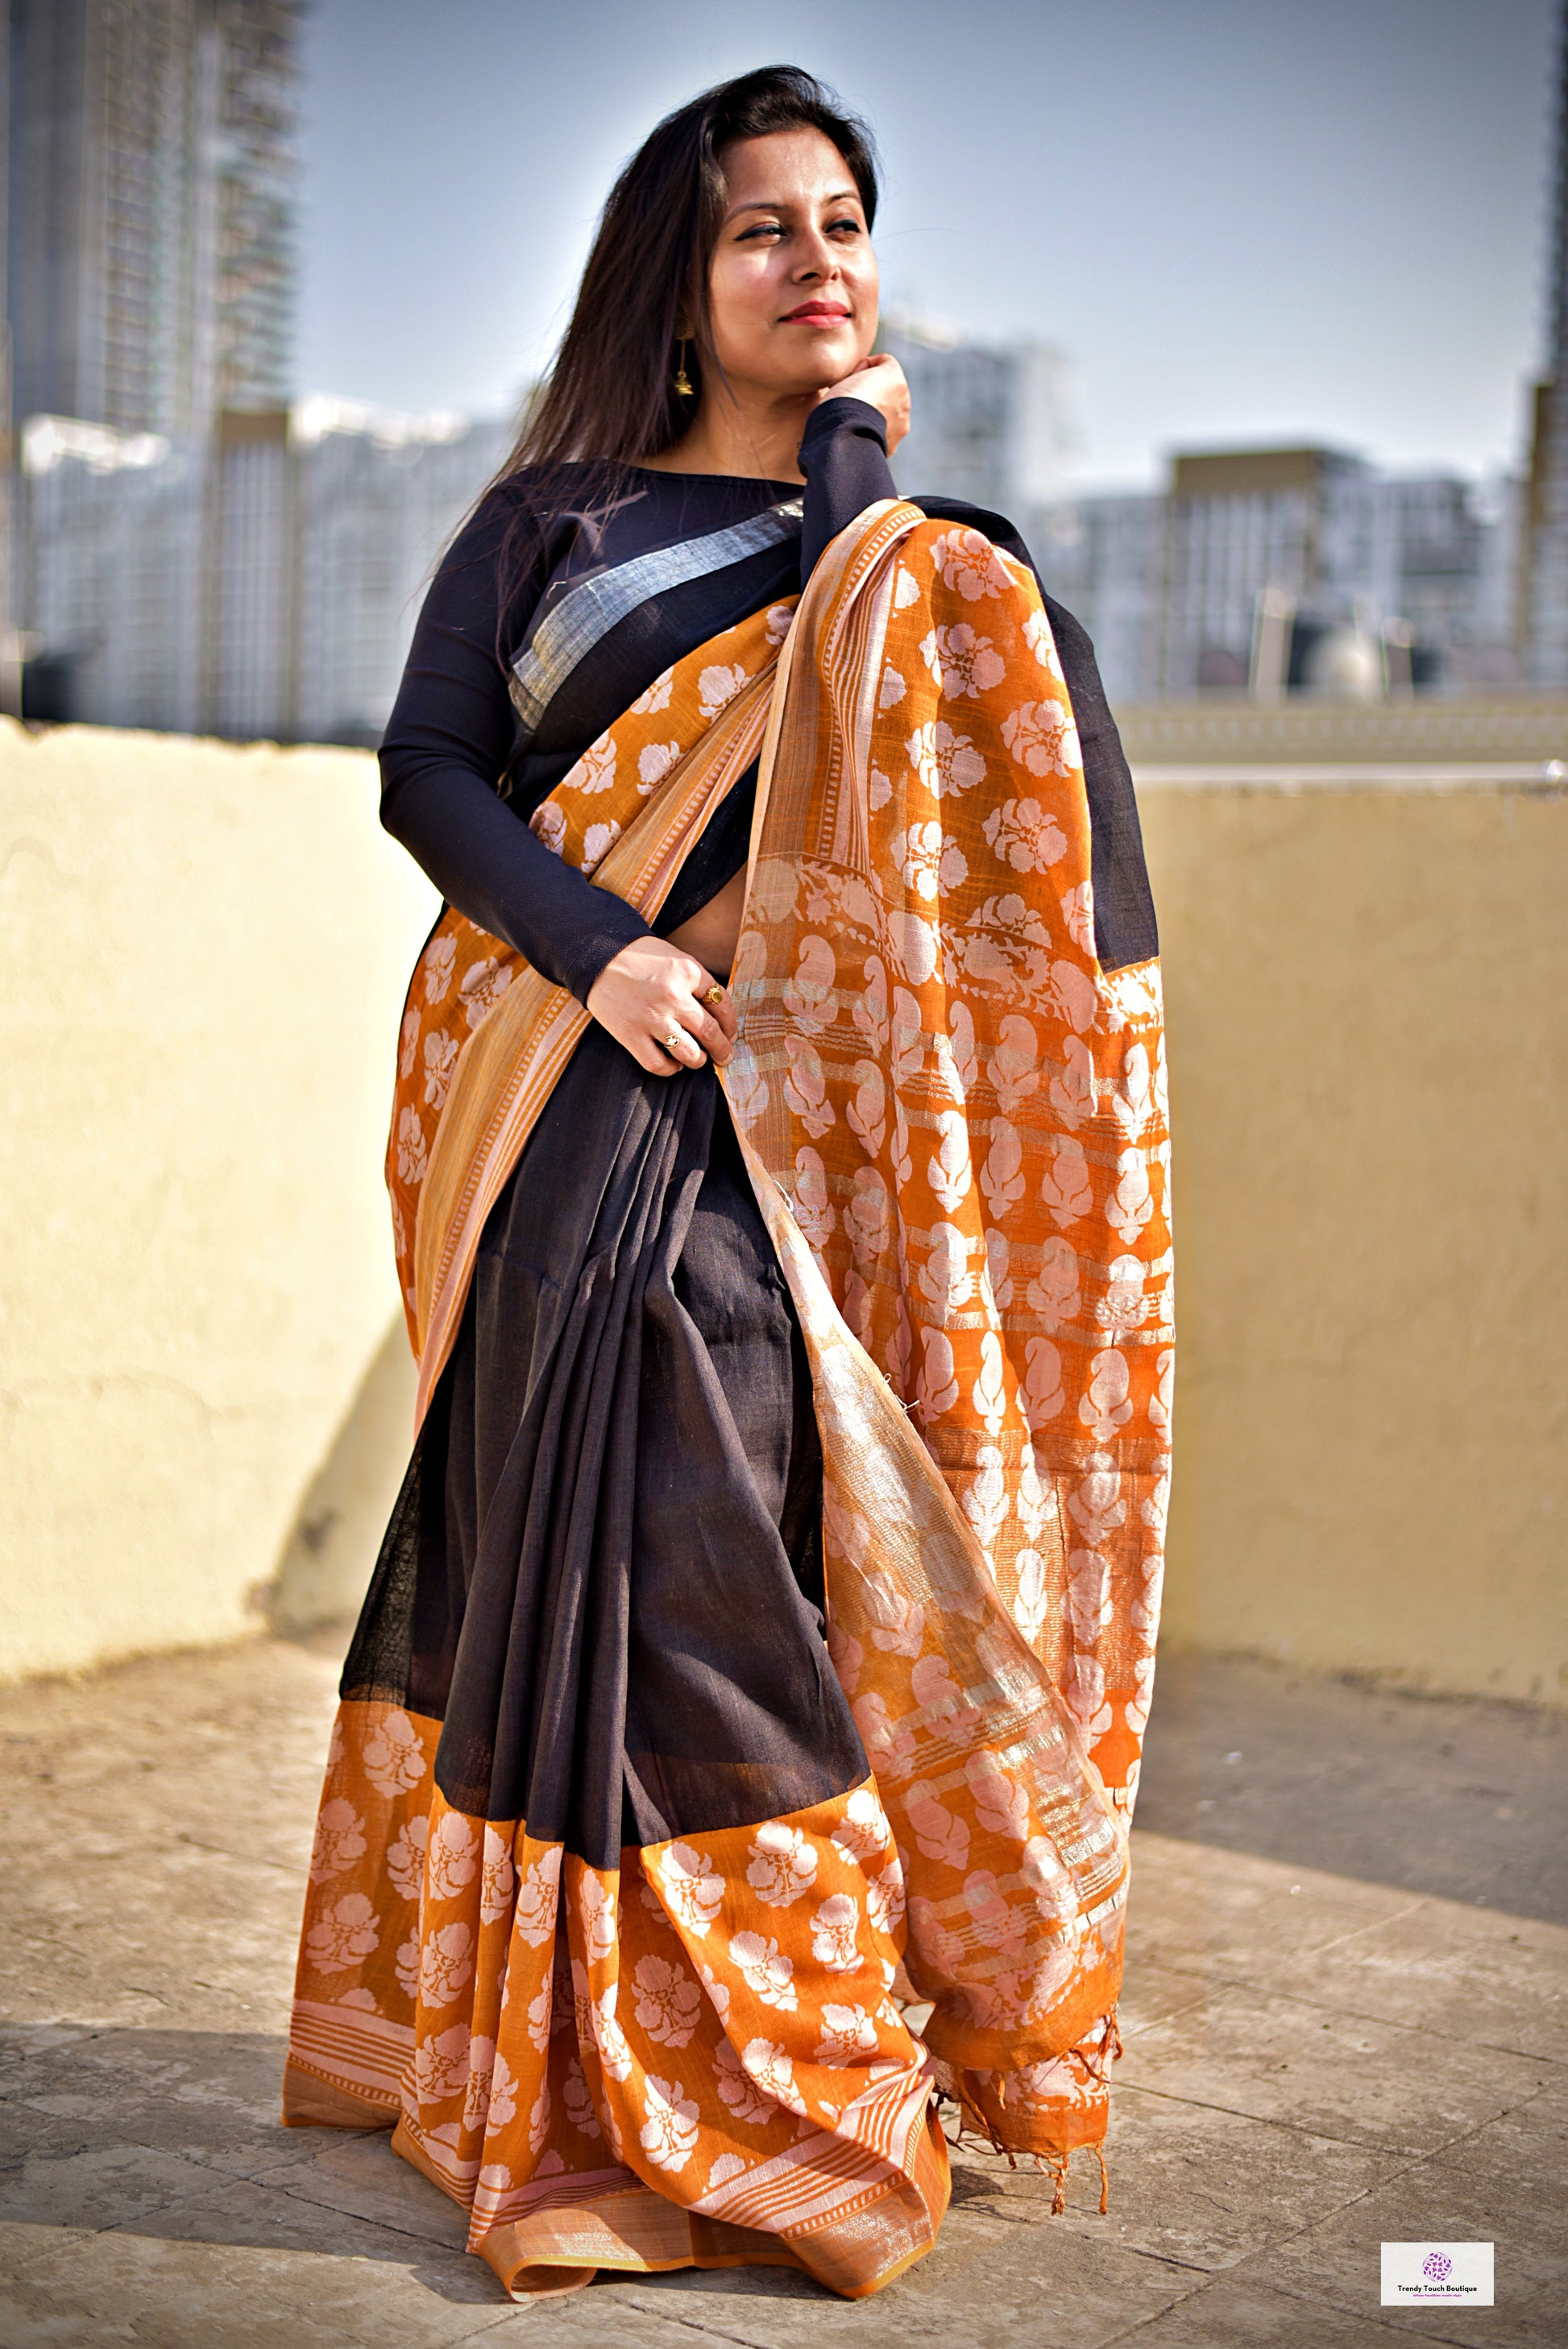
(691, 2058)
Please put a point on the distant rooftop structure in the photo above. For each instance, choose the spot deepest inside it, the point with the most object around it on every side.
(150, 269)
(51, 441)
(312, 418)
(1255, 472)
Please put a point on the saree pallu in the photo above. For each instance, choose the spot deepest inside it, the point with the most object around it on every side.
(653, 2023)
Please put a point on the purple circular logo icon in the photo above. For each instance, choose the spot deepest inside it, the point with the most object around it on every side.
(1437, 2266)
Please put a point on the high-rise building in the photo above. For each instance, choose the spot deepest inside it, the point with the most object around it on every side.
(149, 269)
(1259, 566)
(253, 52)
(150, 198)
(110, 581)
(325, 523)
(1400, 582)
(1542, 608)
(376, 496)
(261, 582)
(989, 423)
(1104, 558)
(1236, 524)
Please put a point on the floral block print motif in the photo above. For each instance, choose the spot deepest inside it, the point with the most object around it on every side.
(711, 2027)
(628, 813)
(966, 1114)
(956, 1120)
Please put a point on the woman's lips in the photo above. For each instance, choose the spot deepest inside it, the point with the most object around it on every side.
(816, 314)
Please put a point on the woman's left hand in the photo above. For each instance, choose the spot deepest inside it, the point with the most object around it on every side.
(880, 382)
(664, 1007)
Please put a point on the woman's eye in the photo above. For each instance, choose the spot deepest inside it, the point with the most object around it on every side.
(764, 228)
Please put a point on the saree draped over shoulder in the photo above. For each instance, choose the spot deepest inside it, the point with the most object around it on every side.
(778, 1630)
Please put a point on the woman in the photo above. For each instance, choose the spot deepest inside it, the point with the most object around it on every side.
(765, 1623)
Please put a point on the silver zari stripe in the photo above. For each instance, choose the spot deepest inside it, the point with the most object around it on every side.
(587, 614)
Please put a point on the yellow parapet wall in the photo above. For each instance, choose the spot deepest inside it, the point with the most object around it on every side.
(206, 1387)
(1368, 995)
(204, 949)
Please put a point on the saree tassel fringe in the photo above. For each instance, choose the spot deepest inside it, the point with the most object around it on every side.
(978, 2126)
(953, 1121)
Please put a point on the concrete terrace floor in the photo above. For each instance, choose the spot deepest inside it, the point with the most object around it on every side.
(1345, 2020)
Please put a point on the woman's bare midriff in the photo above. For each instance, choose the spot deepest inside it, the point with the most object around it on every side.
(710, 936)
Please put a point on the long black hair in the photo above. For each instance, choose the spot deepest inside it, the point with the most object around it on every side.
(611, 392)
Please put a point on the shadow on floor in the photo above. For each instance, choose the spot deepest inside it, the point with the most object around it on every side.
(175, 2134)
(1451, 1797)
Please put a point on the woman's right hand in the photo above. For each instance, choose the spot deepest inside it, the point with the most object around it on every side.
(652, 991)
(880, 382)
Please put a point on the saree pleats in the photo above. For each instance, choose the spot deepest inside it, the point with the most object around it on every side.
(617, 1484)
(770, 1603)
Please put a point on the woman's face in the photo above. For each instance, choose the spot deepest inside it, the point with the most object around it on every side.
(792, 289)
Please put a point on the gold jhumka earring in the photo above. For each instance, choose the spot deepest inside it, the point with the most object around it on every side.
(683, 382)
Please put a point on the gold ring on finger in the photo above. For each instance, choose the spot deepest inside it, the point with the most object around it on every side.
(671, 1040)
(714, 995)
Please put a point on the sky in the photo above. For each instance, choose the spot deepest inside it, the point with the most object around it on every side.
(1243, 221)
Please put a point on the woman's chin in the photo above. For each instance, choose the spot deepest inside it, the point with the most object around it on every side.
(816, 364)
(812, 382)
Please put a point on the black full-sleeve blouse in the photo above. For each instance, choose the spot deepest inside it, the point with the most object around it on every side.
(461, 772)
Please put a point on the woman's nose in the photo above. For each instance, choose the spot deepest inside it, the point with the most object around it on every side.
(818, 261)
